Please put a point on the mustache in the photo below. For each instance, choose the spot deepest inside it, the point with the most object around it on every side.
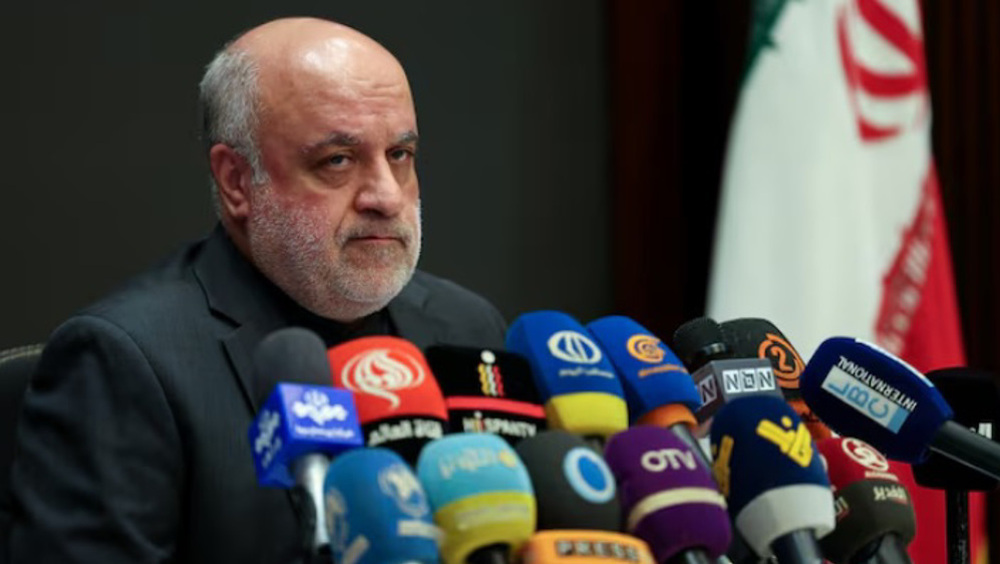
(389, 229)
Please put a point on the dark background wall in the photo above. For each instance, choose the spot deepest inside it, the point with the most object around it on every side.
(103, 171)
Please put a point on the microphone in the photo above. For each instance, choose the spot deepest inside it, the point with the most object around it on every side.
(574, 488)
(400, 405)
(576, 381)
(766, 467)
(487, 391)
(875, 517)
(668, 497)
(653, 378)
(585, 547)
(481, 497)
(299, 426)
(976, 401)
(753, 337)
(718, 375)
(863, 391)
(377, 512)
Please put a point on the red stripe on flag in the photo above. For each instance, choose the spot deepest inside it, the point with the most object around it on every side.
(494, 404)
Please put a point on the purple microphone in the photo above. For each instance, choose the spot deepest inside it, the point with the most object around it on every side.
(668, 496)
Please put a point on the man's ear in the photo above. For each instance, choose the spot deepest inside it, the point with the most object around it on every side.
(233, 179)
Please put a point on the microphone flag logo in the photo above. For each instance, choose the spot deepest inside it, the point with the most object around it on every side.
(865, 455)
(381, 372)
(589, 475)
(490, 379)
(266, 426)
(399, 483)
(645, 348)
(794, 441)
(787, 362)
(316, 406)
(575, 347)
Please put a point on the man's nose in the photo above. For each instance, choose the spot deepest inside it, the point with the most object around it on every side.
(380, 190)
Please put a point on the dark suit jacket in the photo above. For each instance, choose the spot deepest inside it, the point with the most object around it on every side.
(133, 440)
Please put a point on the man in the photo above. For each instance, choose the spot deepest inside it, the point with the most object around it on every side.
(133, 439)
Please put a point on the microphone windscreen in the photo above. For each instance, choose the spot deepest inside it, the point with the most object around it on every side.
(862, 391)
(667, 495)
(700, 340)
(974, 396)
(585, 547)
(291, 354)
(377, 511)
(869, 498)
(299, 419)
(578, 384)
(487, 391)
(574, 488)
(399, 402)
(766, 465)
(759, 338)
(651, 374)
(480, 493)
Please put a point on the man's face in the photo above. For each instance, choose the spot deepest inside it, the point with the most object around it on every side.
(337, 225)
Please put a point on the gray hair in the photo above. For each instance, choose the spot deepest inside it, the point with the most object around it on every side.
(229, 96)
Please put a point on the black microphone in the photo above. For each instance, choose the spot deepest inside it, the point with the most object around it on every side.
(719, 376)
(487, 391)
(574, 487)
(974, 397)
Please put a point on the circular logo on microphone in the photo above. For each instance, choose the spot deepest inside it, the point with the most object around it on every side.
(589, 475)
(381, 372)
(865, 455)
(336, 519)
(787, 363)
(399, 483)
(645, 348)
(573, 346)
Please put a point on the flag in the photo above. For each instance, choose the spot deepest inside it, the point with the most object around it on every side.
(830, 219)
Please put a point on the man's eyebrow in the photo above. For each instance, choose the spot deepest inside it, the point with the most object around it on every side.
(410, 137)
(335, 139)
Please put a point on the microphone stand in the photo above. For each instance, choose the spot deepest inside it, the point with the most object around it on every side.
(957, 524)
(489, 554)
(690, 557)
(797, 547)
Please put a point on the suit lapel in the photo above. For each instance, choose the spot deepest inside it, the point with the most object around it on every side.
(238, 293)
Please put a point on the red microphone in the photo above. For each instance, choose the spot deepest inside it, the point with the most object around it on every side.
(399, 402)
(875, 518)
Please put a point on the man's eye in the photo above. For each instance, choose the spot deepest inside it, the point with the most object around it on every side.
(337, 160)
(399, 155)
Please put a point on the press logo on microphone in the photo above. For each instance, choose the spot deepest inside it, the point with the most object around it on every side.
(672, 458)
(614, 551)
(573, 346)
(865, 455)
(891, 493)
(398, 482)
(382, 372)
(490, 379)
(589, 475)
(268, 442)
(645, 348)
(738, 381)
(788, 363)
(793, 441)
(473, 459)
(870, 395)
(316, 406)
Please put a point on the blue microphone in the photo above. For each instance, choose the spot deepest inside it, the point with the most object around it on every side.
(575, 379)
(300, 425)
(862, 391)
(774, 482)
(481, 497)
(377, 512)
(651, 374)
